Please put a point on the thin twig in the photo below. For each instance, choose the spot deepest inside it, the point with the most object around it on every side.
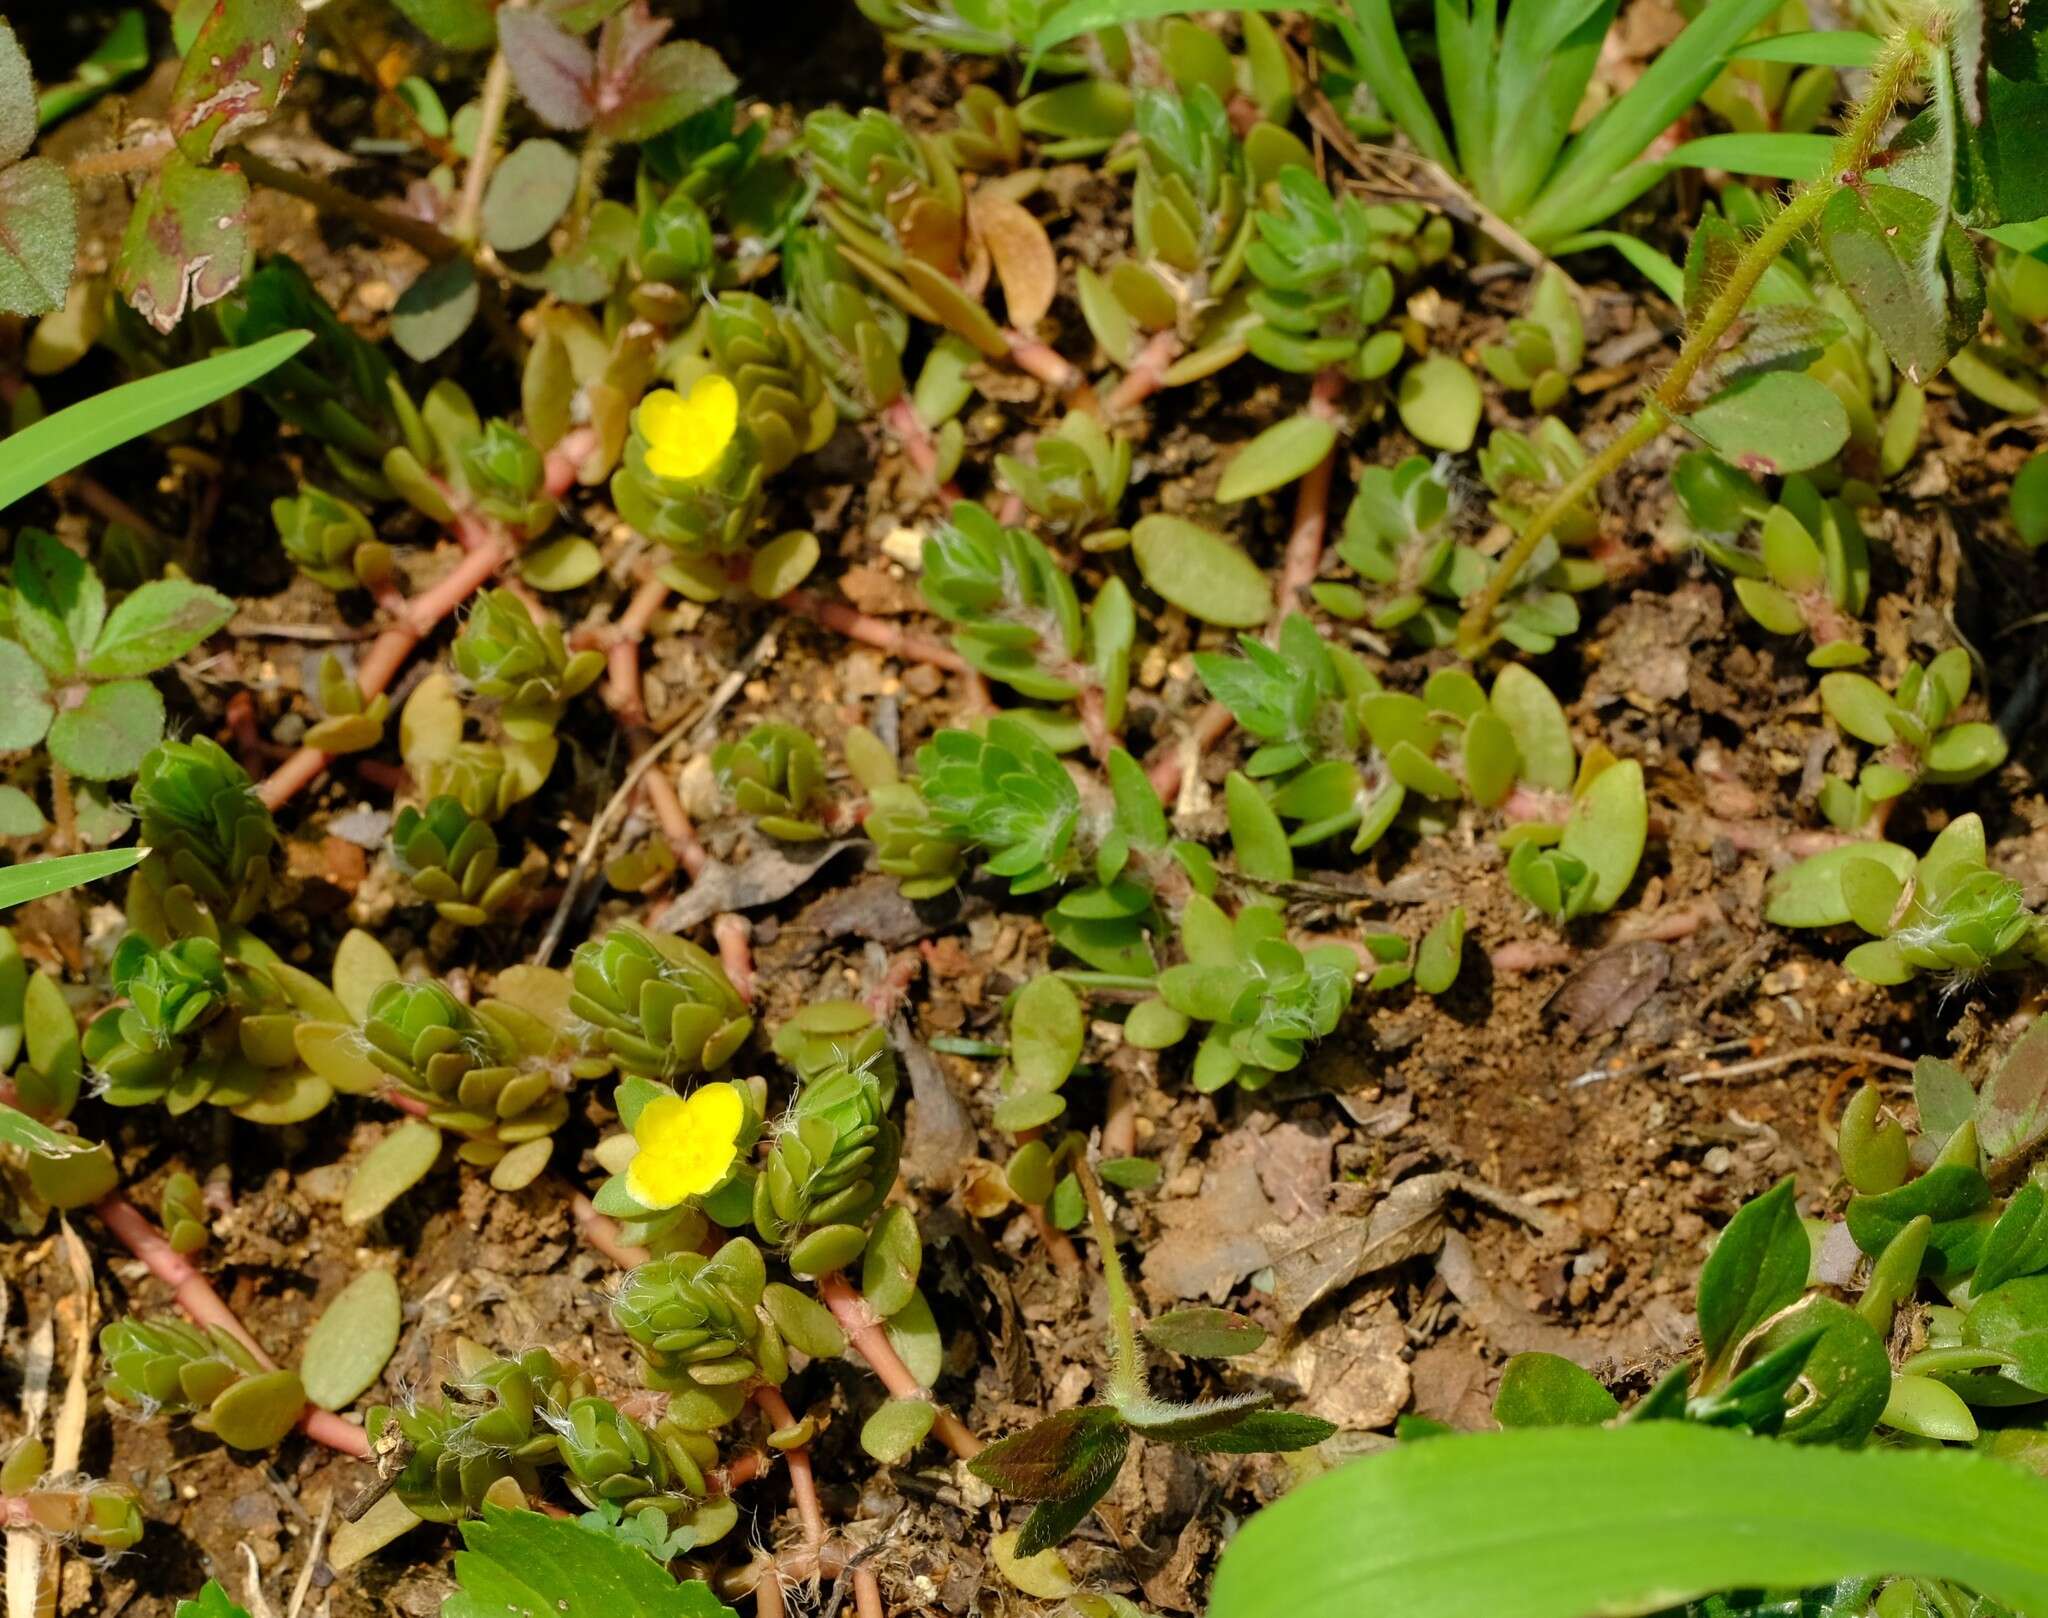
(1805, 1053)
(695, 726)
(330, 198)
(497, 95)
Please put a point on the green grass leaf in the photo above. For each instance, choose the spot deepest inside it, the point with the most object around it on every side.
(1831, 47)
(1775, 156)
(63, 442)
(1560, 1522)
(41, 878)
(520, 1561)
(1085, 16)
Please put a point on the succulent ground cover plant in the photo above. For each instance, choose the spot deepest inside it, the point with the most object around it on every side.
(682, 708)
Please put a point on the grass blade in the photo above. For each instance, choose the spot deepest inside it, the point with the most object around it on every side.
(1830, 47)
(1652, 265)
(1776, 156)
(41, 878)
(1085, 16)
(1577, 195)
(63, 442)
(1369, 34)
(1560, 1522)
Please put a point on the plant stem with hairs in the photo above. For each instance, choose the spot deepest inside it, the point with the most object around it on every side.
(1852, 154)
(1127, 1361)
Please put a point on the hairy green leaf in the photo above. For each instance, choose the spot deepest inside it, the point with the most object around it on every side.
(238, 67)
(157, 625)
(38, 237)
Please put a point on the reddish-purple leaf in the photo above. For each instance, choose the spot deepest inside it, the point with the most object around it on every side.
(38, 237)
(2012, 1108)
(554, 70)
(643, 86)
(237, 69)
(187, 243)
(1063, 1456)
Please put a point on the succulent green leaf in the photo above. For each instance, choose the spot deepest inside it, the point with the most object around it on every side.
(1440, 403)
(1201, 572)
(897, 1428)
(435, 310)
(1284, 453)
(350, 1343)
(392, 1167)
(1047, 1025)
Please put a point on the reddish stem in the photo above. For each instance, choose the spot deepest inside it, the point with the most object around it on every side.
(676, 827)
(601, 1231)
(887, 994)
(902, 419)
(1210, 728)
(489, 548)
(1120, 1123)
(867, 1592)
(802, 1486)
(1095, 721)
(205, 1307)
(1046, 363)
(1311, 504)
(622, 685)
(735, 951)
(890, 638)
(865, 1332)
(1147, 374)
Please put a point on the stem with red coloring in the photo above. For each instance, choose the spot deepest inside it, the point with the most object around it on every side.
(735, 951)
(902, 419)
(1147, 373)
(870, 631)
(865, 1333)
(203, 1306)
(803, 1486)
(1311, 504)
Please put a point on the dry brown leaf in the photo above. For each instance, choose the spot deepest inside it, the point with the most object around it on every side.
(1023, 257)
(1312, 1260)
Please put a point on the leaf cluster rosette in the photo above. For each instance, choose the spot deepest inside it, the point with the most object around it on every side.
(691, 479)
(696, 1322)
(910, 844)
(776, 773)
(1263, 1000)
(783, 400)
(1399, 537)
(209, 1025)
(1018, 616)
(1073, 480)
(330, 539)
(857, 340)
(1947, 912)
(1325, 272)
(1807, 572)
(496, 1074)
(487, 778)
(205, 1374)
(1914, 729)
(212, 842)
(453, 861)
(524, 666)
(654, 1005)
(511, 1421)
(1544, 347)
(1008, 794)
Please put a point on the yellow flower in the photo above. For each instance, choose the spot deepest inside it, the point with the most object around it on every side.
(685, 437)
(687, 1145)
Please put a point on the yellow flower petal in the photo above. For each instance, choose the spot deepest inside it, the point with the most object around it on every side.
(686, 437)
(687, 1145)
